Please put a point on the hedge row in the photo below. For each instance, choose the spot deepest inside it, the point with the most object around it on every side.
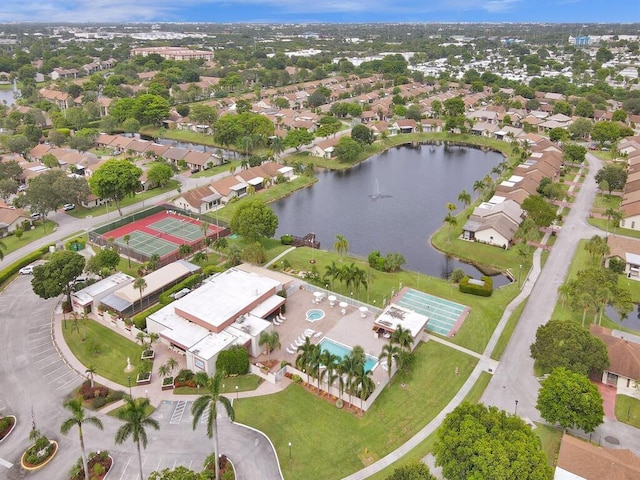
(140, 319)
(480, 290)
(12, 269)
(234, 361)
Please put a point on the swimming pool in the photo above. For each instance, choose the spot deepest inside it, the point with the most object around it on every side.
(314, 315)
(342, 351)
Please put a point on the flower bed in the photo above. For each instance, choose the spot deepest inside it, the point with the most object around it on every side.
(7, 425)
(148, 355)
(39, 454)
(143, 378)
(98, 464)
(167, 383)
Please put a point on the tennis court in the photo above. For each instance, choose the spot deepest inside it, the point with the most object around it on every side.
(180, 227)
(445, 317)
(147, 244)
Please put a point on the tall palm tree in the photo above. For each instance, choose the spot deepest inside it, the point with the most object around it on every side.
(347, 368)
(305, 357)
(465, 198)
(127, 239)
(79, 418)
(277, 145)
(271, 340)
(403, 337)
(389, 353)
(213, 389)
(452, 221)
(140, 284)
(332, 272)
(172, 364)
(364, 383)
(134, 416)
(341, 245)
(185, 250)
(478, 186)
(330, 362)
(204, 226)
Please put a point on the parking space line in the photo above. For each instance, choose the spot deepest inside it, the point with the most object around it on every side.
(5, 464)
(125, 468)
(63, 375)
(40, 338)
(41, 345)
(45, 358)
(67, 383)
(51, 362)
(53, 371)
(178, 412)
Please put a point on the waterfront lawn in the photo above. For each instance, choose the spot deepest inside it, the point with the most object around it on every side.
(272, 247)
(628, 410)
(426, 446)
(267, 195)
(12, 243)
(477, 328)
(210, 172)
(105, 349)
(245, 383)
(82, 212)
(331, 443)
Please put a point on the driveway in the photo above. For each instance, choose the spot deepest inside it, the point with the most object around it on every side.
(35, 379)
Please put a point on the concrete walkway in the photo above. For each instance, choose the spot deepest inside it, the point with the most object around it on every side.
(283, 254)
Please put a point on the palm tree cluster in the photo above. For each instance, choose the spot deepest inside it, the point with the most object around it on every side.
(348, 373)
(398, 350)
(350, 275)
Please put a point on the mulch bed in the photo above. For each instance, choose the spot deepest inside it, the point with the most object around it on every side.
(4, 432)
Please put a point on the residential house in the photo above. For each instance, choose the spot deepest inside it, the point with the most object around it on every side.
(199, 200)
(326, 148)
(200, 160)
(406, 125)
(230, 187)
(623, 371)
(61, 99)
(13, 218)
(494, 224)
(627, 250)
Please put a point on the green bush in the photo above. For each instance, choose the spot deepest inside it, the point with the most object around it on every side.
(184, 375)
(480, 290)
(140, 319)
(617, 264)
(189, 282)
(286, 239)
(115, 395)
(12, 269)
(4, 423)
(99, 402)
(295, 378)
(234, 361)
(79, 241)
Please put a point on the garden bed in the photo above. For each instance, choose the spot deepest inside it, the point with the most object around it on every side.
(148, 355)
(98, 465)
(167, 383)
(7, 424)
(143, 379)
(38, 455)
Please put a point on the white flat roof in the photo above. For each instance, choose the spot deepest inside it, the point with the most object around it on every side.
(268, 306)
(178, 330)
(249, 325)
(225, 295)
(515, 178)
(157, 280)
(395, 315)
(212, 344)
(497, 199)
(507, 184)
(255, 181)
(85, 296)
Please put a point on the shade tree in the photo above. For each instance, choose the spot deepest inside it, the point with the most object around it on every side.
(57, 275)
(253, 220)
(115, 180)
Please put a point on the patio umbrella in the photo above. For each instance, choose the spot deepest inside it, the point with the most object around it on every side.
(363, 311)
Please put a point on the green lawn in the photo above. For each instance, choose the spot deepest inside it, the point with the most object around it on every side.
(244, 383)
(512, 323)
(477, 328)
(217, 169)
(426, 446)
(12, 243)
(270, 194)
(187, 136)
(628, 410)
(550, 437)
(607, 201)
(272, 247)
(319, 431)
(601, 223)
(114, 349)
(81, 212)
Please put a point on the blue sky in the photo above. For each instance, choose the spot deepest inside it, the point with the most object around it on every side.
(296, 11)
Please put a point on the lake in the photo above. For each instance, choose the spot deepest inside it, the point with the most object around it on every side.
(392, 202)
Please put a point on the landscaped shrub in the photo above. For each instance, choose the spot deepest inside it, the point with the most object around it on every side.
(39, 451)
(234, 361)
(617, 264)
(114, 396)
(189, 282)
(140, 319)
(8, 272)
(484, 290)
(184, 375)
(99, 402)
(75, 244)
(296, 378)
(286, 239)
(98, 464)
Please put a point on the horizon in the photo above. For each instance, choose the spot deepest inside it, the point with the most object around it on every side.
(323, 12)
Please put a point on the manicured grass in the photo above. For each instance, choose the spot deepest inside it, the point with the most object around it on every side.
(81, 212)
(217, 169)
(607, 201)
(114, 350)
(329, 443)
(477, 328)
(244, 383)
(123, 266)
(550, 437)
(12, 243)
(270, 194)
(272, 247)
(601, 223)
(186, 136)
(628, 410)
(149, 409)
(508, 331)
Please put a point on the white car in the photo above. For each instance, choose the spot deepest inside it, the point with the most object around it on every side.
(28, 270)
(68, 206)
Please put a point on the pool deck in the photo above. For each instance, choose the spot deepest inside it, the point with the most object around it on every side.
(350, 329)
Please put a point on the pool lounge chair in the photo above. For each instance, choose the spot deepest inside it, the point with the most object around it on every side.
(318, 335)
(276, 322)
(291, 350)
(308, 332)
(282, 317)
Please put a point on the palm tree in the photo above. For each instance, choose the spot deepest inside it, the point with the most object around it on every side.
(478, 186)
(78, 418)
(332, 272)
(91, 370)
(277, 145)
(304, 359)
(389, 352)
(271, 340)
(364, 383)
(465, 198)
(127, 239)
(154, 261)
(134, 416)
(185, 250)
(341, 245)
(213, 389)
(140, 284)
(452, 221)
(403, 337)
(163, 371)
(348, 367)
(330, 362)
(247, 144)
(172, 364)
(204, 226)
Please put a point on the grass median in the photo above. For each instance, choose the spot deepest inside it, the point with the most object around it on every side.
(330, 443)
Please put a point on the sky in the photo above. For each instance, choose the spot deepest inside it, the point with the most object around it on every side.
(318, 11)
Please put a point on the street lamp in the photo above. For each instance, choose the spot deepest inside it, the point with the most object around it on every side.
(289, 451)
(519, 274)
(236, 392)
(515, 412)
(129, 380)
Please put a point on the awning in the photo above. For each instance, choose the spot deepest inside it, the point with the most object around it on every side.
(255, 181)
(268, 306)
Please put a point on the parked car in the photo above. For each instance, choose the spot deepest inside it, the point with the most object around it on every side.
(28, 270)
(68, 206)
(22, 188)
(35, 216)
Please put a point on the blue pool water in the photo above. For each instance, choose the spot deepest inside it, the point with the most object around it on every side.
(315, 314)
(344, 351)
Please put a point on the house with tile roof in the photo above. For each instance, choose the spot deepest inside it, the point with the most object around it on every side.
(623, 371)
(13, 218)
